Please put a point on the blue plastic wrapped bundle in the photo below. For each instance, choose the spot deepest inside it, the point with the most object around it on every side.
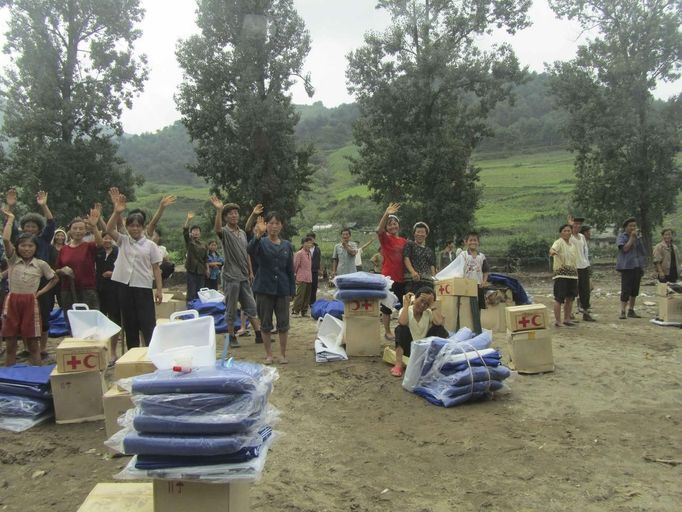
(177, 404)
(356, 294)
(24, 380)
(360, 281)
(16, 406)
(323, 307)
(25, 396)
(455, 372)
(130, 442)
(57, 324)
(241, 377)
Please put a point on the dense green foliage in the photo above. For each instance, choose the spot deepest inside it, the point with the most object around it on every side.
(236, 105)
(73, 71)
(424, 90)
(625, 143)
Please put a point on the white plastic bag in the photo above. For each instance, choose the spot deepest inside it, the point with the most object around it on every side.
(454, 269)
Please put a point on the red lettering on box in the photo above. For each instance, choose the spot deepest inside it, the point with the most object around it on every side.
(73, 362)
(88, 358)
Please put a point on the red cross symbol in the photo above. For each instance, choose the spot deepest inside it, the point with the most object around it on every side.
(524, 321)
(73, 362)
(442, 289)
(367, 305)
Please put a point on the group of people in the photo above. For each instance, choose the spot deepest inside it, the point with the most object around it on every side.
(118, 267)
(571, 268)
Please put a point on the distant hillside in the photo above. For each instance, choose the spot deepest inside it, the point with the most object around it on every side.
(530, 123)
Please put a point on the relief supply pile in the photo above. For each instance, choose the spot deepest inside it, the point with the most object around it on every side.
(194, 418)
(362, 294)
(25, 396)
(449, 372)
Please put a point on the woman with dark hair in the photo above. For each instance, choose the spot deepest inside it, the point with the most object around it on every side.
(666, 258)
(392, 245)
(565, 276)
(136, 267)
(274, 283)
(419, 259)
(107, 291)
(419, 318)
(76, 263)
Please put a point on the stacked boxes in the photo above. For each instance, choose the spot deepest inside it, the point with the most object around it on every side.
(669, 304)
(77, 381)
(167, 496)
(116, 401)
(362, 330)
(455, 295)
(169, 306)
(529, 339)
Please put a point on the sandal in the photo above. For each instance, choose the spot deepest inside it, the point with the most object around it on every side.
(389, 337)
(283, 360)
(397, 371)
(267, 360)
(568, 323)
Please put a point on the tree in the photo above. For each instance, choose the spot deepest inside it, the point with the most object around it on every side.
(625, 142)
(236, 105)
(424, 90)
(73, 70)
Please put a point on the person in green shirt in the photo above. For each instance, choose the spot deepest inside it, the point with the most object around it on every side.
(196, 261)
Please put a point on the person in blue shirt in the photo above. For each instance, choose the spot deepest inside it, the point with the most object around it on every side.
(630, 262)
(274, 283)
(215, 263)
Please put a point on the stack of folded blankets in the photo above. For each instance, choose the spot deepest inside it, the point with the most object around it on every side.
(361, 285)
(210, 423)
(449, 372)
(25, 396)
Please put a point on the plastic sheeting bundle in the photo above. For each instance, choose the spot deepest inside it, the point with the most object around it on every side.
(25, 396)
(187, 425)
(363, 285)
(449, 372)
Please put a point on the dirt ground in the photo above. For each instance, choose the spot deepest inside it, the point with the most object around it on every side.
(585, 437)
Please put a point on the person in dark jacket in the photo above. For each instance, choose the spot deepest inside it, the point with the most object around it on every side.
(106, 288)
(274, 283)
(316, 258)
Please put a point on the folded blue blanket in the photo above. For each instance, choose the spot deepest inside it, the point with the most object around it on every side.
(24, 380)
(147, 462)
(23, 406)
(354, 294)
(241, 377)
(458, 395)
(323, 307)
(477, 373)
(361, 280)
(185, 445)
(206, 424)
(179, 404)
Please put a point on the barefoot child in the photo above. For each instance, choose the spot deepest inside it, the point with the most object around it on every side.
(20, 313)
(419, 318)
(303, 266)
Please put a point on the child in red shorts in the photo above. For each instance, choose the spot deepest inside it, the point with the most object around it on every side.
(21, 313)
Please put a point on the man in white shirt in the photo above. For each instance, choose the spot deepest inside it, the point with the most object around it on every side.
(583, 265)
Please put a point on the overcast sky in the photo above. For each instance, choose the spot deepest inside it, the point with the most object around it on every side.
(336, 27)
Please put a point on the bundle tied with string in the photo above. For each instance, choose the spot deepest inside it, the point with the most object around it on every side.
(452, 372)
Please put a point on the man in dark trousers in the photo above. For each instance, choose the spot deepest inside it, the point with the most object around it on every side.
(316, 257)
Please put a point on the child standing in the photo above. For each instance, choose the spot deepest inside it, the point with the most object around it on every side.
(475, 265)
(136, 267)
(304, 277)
(215, 263)
(20, 313)
(196, 262)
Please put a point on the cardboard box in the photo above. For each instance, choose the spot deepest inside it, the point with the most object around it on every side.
(457, 312)
(456, 286)
(185, 496)
(134, 362)
(531, 351)
(116, 401)
(169, 306)
(494, 318)
(527, 318)
(361, 307)
(77, 396)
(389, 356)
(362, 335)
(670, 308)
(123, 497)
(662, 289)
(74, 355)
